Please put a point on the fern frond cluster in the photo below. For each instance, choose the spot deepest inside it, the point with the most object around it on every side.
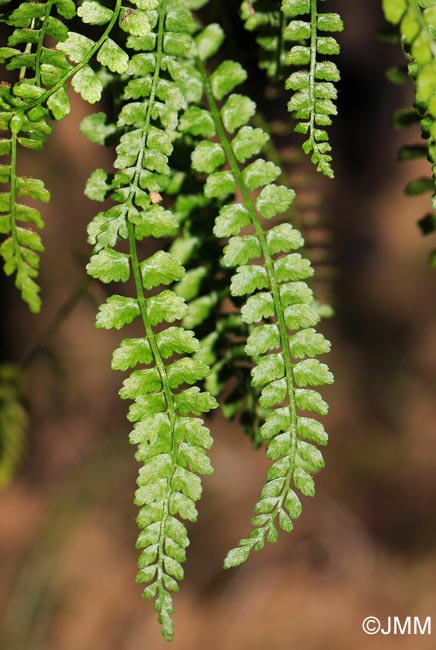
(279, 306)
(211, 288)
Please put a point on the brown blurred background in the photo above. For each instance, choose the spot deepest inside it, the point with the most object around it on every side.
(365, 545)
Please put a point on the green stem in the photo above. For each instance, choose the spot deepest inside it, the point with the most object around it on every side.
(13, 200)
(269, 265)
(47, 13)
(312, 70)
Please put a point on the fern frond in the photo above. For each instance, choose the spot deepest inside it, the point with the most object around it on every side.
(416, 21)
(313, 84)
(167, 402)
(279, 308)
(264, 18)
(300, 25)
(38, 96)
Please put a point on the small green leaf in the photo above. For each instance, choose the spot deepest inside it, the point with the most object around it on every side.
(304, 482)
(308, 343)
(109, 265)
(310, 400)
(231, 219)
(176, 340)
(166, 307)
(248, 142)
(134, 22)
(394, 10)
(197, 121)
(192, 400)
(219, 185)
(237, 111)
(236, 556)
(32, 187)
(94, 13)
(97, 186)
(113, 57)
(226, 77)
(161, 268)
(76, 47)
(311, 372)
(87, 84)
(260, 173)
(241, 249)
(116, 312)
(130, 353)
(59, 104)
(273, 200)
(207, 157)
(311, 429)
(209, 41)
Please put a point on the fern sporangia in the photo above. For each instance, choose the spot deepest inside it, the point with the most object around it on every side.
(297, 34)
(279, 307)
(170, 434)
(38, 96)
(416, 21)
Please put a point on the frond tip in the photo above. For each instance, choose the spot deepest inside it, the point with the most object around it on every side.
(313, 83)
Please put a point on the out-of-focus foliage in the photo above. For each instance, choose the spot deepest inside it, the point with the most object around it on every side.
(14, 422)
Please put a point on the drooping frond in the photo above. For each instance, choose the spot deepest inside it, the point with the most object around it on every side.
(271, 277)
(295, 41)
(264, 18)
(416, 20)
(167, 402)
(313, 83)
(36, 97)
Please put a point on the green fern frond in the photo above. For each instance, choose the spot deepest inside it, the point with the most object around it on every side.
(300, 25)
(38, 96)
(279, 309)
(313, 84)
(416, 21)
(264, 18)
(167, 402)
